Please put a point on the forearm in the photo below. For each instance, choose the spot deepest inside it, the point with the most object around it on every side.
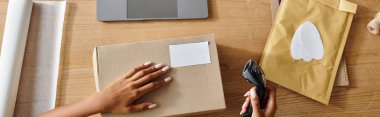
(119, 95)
(85, 107)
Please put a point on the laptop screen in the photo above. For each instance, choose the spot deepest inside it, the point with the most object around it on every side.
(152, 9)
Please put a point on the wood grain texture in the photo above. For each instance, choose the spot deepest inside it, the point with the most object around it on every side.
(241, 28)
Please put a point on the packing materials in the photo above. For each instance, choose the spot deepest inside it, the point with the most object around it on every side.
(313, 79)
(274, 4)
(341, 78)
(374, 25)
(34, 28)
(12, 53)
(196, 88)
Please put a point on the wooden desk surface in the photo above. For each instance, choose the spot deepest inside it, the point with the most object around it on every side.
(241, 28)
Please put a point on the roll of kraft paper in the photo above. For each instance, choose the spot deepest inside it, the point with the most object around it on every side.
(12, 53)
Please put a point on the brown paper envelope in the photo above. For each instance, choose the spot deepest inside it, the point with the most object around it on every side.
(313, 79)
(342, 75)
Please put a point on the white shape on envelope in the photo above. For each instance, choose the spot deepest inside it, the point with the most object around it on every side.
(306, 43)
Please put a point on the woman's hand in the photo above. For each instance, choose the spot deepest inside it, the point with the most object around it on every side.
(119, 95)
(253, 99)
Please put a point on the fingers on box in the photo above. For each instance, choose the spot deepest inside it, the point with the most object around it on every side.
(144, 76)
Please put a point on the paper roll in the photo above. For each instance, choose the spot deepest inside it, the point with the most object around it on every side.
(12, 52)
(38, 81)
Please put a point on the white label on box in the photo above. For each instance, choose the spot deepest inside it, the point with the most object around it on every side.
(189, 54)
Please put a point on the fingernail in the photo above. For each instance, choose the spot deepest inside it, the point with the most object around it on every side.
(241, 112)
(244, 106)
(147, 63)
(253, 93)
(152, 106)
(246, 94)
(166, 68)
(158, 65)
(168, 79)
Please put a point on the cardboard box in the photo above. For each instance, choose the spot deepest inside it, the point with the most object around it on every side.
(194, 89)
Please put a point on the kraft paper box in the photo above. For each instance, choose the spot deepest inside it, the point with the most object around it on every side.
(313, 79)
(194, 89)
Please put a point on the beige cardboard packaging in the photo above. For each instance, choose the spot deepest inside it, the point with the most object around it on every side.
(193, 90)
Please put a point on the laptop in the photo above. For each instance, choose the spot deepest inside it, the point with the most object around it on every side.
(124, 10)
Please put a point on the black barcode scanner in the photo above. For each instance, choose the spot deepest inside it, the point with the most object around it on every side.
(255, 75)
